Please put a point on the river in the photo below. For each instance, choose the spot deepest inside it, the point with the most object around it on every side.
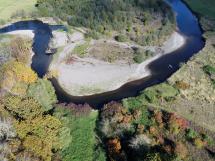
(161, 69)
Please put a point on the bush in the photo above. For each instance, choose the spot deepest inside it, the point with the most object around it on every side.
(43, 92)
(144, 117)
(26, 108)
(199, 143)
(166, 91)
(209, 70)
(176, 123)
(181, 150)
(93, 34)
(121, 38)
(132, 103)
(114, 146)
(115, 121)
(208, 139)
(81, 50)
(142, 55)
(150, 95)
(100, 154)
(20, 49)
(15, 72)
(40, 135)
(182, 85)
(191, 134)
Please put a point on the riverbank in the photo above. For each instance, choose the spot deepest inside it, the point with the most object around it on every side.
(88, 76)
(27, 33)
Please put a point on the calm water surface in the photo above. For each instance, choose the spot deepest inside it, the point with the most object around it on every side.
(161, 68)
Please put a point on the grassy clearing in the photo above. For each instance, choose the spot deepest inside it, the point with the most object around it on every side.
(203, 7)
(81, 50)
(82, 139)
(8, 7)
(110, 52)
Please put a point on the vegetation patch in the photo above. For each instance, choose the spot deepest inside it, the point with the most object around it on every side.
(81, 49)
(132, 20)
(11, 7)
(211, 73)
(33, 133)
(110, 52)
(140, 132)
(141, 55)
(43, 92)
(15, 48)
(82, 142)
(203, 8)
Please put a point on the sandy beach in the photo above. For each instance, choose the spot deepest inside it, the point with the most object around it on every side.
(28, 33)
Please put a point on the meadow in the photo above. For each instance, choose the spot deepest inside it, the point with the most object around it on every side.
(9, 7)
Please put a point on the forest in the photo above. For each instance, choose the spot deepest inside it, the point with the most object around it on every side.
(131, 18)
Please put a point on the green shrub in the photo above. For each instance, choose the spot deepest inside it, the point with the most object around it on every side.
(199, 143)
(99, 154)
(43, 92)
(40, 136)
(26, 108)
(142, 55)
(209, 70)
(81, 50)
(150, 95)
(132, 103)
(93, 34)
(208, 139)
(145, 117)
(121, 38)
(191, 134)
(165, 90)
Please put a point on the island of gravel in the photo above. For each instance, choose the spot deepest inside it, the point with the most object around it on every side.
(91, 72)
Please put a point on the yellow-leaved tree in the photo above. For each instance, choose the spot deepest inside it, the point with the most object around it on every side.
(13, 73)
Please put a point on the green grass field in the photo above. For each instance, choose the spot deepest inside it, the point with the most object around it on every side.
(81, 141)
(8, 7)
(203, 7)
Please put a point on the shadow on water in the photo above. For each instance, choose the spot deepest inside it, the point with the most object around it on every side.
(161, 68)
